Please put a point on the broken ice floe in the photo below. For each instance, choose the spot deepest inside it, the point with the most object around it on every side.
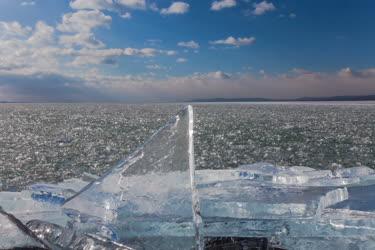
(233, 206)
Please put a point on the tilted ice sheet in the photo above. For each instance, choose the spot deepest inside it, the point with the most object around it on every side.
(152, 186)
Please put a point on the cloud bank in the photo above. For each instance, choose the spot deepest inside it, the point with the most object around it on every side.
(94, 86)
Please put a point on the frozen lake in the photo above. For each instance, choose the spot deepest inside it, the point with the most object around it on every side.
(53, 142)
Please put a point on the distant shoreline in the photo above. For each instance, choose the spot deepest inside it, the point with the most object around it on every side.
(219, 99)
(300, 99)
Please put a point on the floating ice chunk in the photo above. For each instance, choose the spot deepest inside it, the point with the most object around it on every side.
(353, 172)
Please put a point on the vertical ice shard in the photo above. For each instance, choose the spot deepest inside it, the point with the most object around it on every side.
(149, 195)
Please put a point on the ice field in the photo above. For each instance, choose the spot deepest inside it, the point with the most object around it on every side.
(157, 198)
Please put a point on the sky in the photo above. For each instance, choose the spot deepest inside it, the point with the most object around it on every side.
(151, 51)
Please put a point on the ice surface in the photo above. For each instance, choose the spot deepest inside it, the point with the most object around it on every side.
(155, 199)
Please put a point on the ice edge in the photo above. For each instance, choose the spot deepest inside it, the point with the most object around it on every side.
(194, 194)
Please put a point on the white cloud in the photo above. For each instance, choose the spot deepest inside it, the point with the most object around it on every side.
(221, 4)
(292, 15)
(146, 52)
(346, 72)
(121, 7)
(181, 60)
(108, 56)
(42, 35)
(91, 4)
(85, 40)
(133, 4)
(263, 7)
(29, 51)
(28, 3)
(126, 15)
(218, 75)
(176, 8)
(350, 73)
(169, 52)
(81, 24)
(92, 56)
(83, 21)
(237, 42)
(156, 67)
(13, 29)
(189, 44)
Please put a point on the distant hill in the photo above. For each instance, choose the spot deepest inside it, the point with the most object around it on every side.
(339, 98)
(300, 99)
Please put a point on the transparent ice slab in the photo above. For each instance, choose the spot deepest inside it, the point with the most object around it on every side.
(149, 194)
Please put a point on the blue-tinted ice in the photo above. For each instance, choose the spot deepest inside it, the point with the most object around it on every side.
(149, 194)
(156, 199)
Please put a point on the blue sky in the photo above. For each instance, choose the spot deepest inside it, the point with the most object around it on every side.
(141, 50)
